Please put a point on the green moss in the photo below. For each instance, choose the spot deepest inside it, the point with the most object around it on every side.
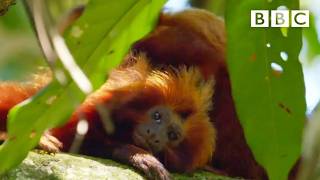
(66, 167)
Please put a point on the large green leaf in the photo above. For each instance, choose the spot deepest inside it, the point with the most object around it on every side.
(98, 41)
(269, 97)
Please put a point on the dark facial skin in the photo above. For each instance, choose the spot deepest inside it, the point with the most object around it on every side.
(162, 128)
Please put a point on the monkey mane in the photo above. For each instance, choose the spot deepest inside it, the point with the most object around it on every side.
(184, 88)
(180, 88)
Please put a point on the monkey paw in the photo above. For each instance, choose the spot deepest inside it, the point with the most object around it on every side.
(49, 143)
(151, 167)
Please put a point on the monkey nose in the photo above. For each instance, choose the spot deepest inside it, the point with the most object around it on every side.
(150, 134)
(152, 137)
(154, 144)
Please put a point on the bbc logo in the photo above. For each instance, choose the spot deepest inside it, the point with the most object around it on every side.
(280, 18)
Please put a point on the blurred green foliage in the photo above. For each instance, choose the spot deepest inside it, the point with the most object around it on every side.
(19, 53)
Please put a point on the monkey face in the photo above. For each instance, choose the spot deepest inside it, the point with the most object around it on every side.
(161, 128)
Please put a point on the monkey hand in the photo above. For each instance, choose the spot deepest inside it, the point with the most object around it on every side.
(49, 143)
(143, 161)
(151, 166)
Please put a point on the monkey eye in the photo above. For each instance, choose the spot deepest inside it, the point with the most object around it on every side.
(157, 117)
(185, 114)
(172, 136)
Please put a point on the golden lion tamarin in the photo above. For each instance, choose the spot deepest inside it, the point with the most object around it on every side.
(160, 117)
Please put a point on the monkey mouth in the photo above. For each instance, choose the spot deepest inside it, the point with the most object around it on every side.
(140, 141)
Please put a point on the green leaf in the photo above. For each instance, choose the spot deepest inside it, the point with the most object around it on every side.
(270, 103)
(98, 41)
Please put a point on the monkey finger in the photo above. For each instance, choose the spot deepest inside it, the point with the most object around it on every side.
(161, 174)
(144, 168)
(48, 146)
(54, 140)
(49, 143)
(156, 169)
(166, 175)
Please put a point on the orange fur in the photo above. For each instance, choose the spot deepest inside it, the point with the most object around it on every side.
(12, 93)
(137, 84)
(182, 90)
(129, 92)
